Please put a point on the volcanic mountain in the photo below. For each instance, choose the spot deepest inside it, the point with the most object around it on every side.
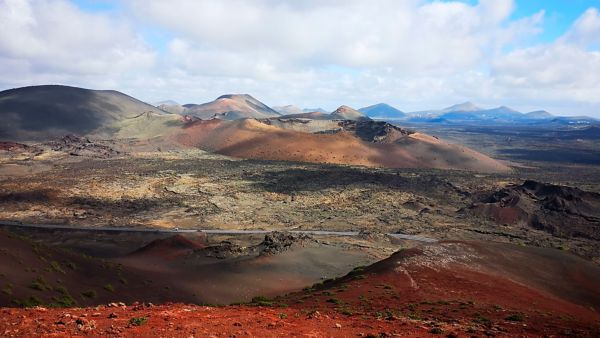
(363, 142)
(170, 106)
(44, 112)
(347, 113)
(231, 107)
(288, 110)
(539, 114)
(382, 110)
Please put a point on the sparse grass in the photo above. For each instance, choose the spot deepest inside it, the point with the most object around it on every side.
(7, 290)
(138, 321)
(345, 311)
(436, 330)
(262, 301)
(62, 290)
(481, 319)
(123, 281)
(515, 317)
(63, 301)
(28, 302)
(414, 316)
(329, 280)
(109, 287)
(334, 301)
(387, 314)
(358, 269)
(54, 265)
(282, 316)
(91, 294)
(40, 284)
(71, 265)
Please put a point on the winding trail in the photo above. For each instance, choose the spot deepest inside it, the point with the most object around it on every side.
(207, 231)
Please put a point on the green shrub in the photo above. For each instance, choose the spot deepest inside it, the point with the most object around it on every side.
(109, 287)
(515, 317)
(7, 289)
(63, 301)
(39, 284)
(262, 301)
(137, 321)
(54, 265)
(436, 330)
(29, 302)
(89, 294)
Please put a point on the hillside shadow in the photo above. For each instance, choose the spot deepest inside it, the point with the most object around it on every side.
(33, 196)
(43, 110)
(322, 177)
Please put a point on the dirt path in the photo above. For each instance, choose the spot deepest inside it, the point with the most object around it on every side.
(210, 231)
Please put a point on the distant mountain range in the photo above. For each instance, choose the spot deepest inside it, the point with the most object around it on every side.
(382, 111)
(44, 112)
(234, 106)
(469, 113)
(288, 110)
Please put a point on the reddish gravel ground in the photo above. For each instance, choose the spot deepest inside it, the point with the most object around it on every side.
(188, 320)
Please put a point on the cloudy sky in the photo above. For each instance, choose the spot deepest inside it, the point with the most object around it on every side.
(413, 54)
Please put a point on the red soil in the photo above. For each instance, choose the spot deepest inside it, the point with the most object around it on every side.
(179, 320)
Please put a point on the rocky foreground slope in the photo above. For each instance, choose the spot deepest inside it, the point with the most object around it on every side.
(450, 288)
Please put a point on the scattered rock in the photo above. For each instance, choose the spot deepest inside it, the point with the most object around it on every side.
(83, 146)
(277, 242)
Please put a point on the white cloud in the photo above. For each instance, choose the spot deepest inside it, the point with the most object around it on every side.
(53, 39)
(585, 31)
(416, 54)
(566, 70)
(409, 36)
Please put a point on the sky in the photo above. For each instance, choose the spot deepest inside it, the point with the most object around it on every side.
(412, 54)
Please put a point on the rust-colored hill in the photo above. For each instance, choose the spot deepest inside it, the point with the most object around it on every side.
(230, 107)
(251, 138)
